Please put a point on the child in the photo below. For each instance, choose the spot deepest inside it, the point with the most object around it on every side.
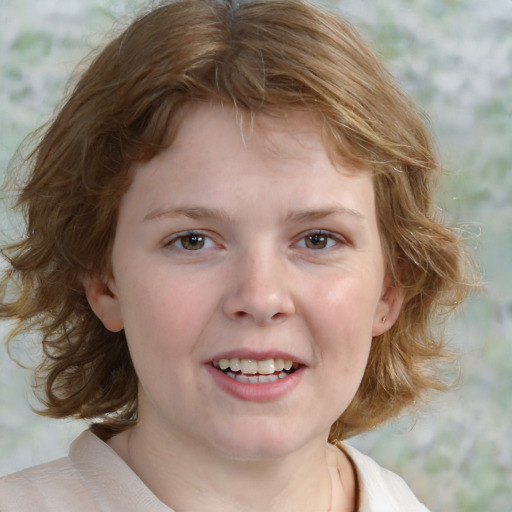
(234, 264)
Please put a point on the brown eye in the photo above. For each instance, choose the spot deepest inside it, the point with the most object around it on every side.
(192, 242)
(316, 241)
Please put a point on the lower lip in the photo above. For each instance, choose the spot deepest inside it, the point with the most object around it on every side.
(264, 392)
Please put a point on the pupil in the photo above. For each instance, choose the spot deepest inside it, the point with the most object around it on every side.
(316, 241)
(193, 242)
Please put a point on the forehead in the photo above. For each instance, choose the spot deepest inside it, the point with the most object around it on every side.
(220, 158)
(278, 134)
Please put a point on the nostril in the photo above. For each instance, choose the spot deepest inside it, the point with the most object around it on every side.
(243, 314)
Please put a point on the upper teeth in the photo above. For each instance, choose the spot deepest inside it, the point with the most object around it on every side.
(253, 367)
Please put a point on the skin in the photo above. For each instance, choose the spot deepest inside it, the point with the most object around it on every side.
(287, 260)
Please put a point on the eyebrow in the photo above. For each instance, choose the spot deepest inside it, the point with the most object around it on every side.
(192, 212)
(201, 212)
(315, 214)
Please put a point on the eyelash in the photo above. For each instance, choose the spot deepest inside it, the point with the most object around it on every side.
(321, 237)
(180, 237)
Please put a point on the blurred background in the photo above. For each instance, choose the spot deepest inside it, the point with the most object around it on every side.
(455, 58)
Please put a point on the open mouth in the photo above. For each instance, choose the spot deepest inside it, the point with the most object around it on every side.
(251, 371)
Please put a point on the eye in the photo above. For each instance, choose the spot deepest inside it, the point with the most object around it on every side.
(318, 240)
(191, 242)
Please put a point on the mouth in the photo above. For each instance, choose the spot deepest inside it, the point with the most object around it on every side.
(252, 371)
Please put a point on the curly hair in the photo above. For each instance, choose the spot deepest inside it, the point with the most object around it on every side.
(261, 56)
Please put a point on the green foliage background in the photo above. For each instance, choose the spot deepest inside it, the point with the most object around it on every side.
(455, 58)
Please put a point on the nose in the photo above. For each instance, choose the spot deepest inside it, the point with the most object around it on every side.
(261, 291)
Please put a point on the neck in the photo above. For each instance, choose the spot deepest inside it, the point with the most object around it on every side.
(188, 476)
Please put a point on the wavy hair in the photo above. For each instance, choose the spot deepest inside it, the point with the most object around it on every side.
(259, 56)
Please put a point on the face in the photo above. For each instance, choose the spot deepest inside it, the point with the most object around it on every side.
(249, 276)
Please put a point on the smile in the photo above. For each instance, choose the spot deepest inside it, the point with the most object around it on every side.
(251, 371)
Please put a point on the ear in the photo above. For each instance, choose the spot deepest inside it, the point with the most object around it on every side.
(104, 302)
(388, 309)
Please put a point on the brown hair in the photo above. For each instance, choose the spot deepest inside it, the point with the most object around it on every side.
(262, 56)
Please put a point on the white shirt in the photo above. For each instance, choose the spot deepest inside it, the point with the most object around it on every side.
(93, 478)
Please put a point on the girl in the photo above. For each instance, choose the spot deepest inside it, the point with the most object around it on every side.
(232, 258)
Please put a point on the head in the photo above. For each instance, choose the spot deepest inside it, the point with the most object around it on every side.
(262, 58)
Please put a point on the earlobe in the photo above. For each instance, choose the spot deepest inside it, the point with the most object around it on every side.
(104, 302)
(388, 309)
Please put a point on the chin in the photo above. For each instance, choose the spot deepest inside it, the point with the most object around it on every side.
(264, 442)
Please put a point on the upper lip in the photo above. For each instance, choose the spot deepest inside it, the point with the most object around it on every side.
(256, 355)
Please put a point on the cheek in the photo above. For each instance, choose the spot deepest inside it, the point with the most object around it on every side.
(165, 310)
(343, 321)
(348, 304)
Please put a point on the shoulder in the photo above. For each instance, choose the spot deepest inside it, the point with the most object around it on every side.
(91, 478)
(381, 489)
(41, 487)
(57, 485)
